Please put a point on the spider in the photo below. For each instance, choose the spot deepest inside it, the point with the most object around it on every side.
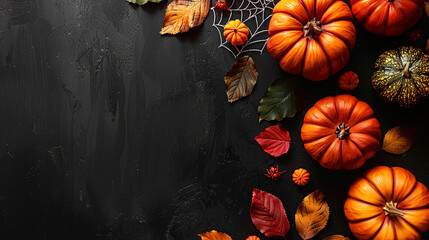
(221, 5)
(274, 173)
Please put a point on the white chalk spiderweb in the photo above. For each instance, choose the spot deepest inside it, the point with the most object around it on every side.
(255, 14)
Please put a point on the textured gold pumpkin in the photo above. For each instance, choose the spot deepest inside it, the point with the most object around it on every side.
(402, 76)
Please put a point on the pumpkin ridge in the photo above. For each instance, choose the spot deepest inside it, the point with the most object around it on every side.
(357, 146)
(365, 219)
(409, 224)
(305, 56)
(335, 35)
(379, 229)
(306, 10)
(408, 194)
(375, 188)
(330, 146)
(326, 55)
(326, 116)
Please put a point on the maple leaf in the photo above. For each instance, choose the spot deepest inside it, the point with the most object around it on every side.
(274, 140)
(182, 15)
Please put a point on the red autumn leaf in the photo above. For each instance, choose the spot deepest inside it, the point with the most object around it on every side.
(274, 140)
(268, 214)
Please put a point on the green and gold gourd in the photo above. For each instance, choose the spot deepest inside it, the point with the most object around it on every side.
(402, 76)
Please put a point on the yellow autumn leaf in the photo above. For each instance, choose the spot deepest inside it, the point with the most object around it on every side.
(214, 235)
(312, 215)
(336, 237)
(182, 15)
(399, 139)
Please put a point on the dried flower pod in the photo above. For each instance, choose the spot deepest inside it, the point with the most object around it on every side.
(253, 237)
(300, 177)
(348, 81)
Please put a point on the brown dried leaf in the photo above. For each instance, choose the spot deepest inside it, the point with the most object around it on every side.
(214, 235)
(399, 139)
(241, 79)
(181, 15)
(336, 237)
(312, 215)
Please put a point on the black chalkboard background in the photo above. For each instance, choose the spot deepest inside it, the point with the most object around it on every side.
(109, 130)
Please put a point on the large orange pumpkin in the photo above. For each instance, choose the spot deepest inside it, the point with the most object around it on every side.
(312, 38)
(388, 203)
(341, 132)
(387, 17)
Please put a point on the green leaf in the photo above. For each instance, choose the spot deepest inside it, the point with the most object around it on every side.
(141, 2)
(282, 100)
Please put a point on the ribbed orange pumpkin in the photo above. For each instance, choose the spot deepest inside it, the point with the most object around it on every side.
(341, 132)
(348, 81)
(388, 204)
(301, 177)
(312, 38)
(387, 17)
(236, 32)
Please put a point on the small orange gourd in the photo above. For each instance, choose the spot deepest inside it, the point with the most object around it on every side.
(300, 177)
(348, 81)
(236, 32)
(253, 237)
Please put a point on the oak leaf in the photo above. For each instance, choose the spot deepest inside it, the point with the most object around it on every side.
(312, 215)
(241, 79)
(141, 2)
(274, 140)
(336, 237)
(399, 139)
(283, 99)
(182, 15)
(268, 214)
(214, 235)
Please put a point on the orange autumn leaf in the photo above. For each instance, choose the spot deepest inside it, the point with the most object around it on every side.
(336, 237)
(399, 139)
(312, 215)
(214, 235)
(181, 15)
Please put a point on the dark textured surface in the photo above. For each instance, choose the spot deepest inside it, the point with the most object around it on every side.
(110, 131)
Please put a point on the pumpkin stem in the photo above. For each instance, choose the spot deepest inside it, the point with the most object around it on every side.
(407, 72)
(342, 131)
(313, 28)
(391, 209)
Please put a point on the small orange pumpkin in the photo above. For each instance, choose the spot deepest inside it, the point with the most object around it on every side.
(387, 203)
(300, 177)
(236, 32)
(348, 81)
(253, 237)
